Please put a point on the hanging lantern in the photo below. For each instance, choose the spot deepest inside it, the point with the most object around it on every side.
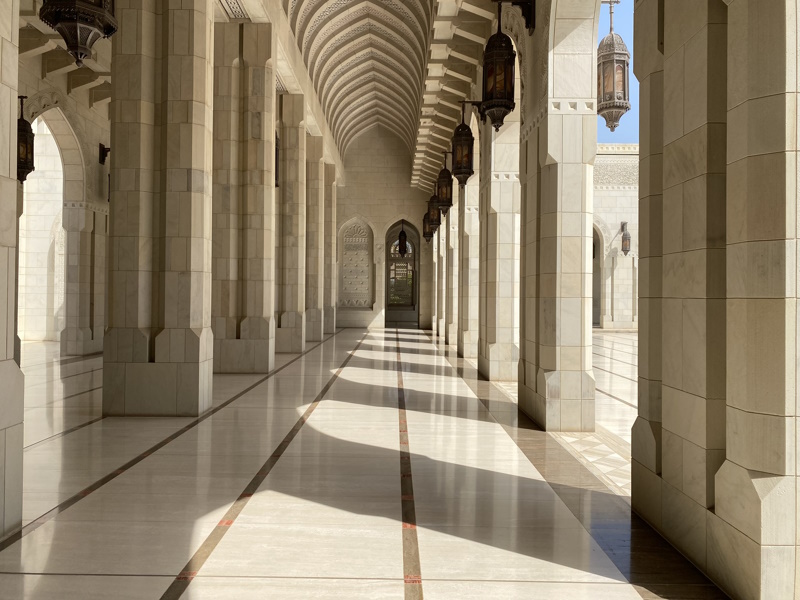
(434, 217)
(463, 149)
(444, 188)
(427, 230)
(498, 75)
(613, 71)
(626, 238)
(24, 144)
(80, 22)
(401, 240)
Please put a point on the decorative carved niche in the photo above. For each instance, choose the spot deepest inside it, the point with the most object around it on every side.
(356, 271)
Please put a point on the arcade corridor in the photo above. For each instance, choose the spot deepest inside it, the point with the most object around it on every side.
(364, 466)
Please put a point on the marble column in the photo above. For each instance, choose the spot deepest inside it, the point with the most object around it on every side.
(753, 536)
(81, 334)
(435, 287)
(291, 333)
(441, 278)
(693, 275)
(647, 431)
(158, 350)
(315, 238)
(468, 273)
(244, 199)
(556, 380)
(451, 318)
(498, 345)
(331, 274)
(11, 403)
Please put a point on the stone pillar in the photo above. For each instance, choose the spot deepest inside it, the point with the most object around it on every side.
(468, 273)
(315, 238)
(557, 384)
(753, 535)
(498, 345)
(80, 335)
(451, 329)
(291, 333)
(331, 252)
(646, 432)
(693, 259)
(441, 278)
(244, 199)
(11, 403)
(159, 346)
(435, 286)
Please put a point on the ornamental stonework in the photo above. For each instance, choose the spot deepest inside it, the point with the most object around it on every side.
(356, 268)
(616, 172)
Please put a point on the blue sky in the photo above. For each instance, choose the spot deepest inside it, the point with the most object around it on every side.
(628, 130)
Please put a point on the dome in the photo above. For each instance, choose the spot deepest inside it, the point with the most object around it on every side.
(612, 44)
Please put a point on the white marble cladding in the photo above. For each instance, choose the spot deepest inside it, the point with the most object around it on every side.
(11, 405)
(377, 194)
(158, 353)
(616, 200)
(42, 244)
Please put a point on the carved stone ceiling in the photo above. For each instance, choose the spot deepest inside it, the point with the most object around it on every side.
(367, 61)
(404, 64)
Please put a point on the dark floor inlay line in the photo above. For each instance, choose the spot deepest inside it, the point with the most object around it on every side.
(412, 571)
(66, 432)
(192, 568)
(624, 537)
(71, 501)
(617, 398)
(614, 374)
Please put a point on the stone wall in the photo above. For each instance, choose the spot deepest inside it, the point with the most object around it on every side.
(377, 192)
(616, 199)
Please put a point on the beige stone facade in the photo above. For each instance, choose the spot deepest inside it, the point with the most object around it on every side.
(265, 155)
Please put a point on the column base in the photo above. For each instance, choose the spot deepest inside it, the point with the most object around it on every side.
(315, 324)
(252, 352)
(441, 328)
(329, 319)
(467, 344)
(244, 356)
(500, 363)
(567, 404)
(452, 334)
(291, 335)
(11, 440)
(79, 342)
(178, 383)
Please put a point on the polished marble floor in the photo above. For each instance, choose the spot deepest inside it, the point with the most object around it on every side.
(375, 465)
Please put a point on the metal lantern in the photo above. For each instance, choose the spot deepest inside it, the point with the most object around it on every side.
(80, 22)
(401, 240)
(433, 212)
(626, 238)
(427, 230)
(463, 151)
(498, 75)
(24, 144)
(613, 73)
(444, 188)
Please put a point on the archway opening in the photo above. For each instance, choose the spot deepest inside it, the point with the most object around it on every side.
(42, 243)
(597, 278)
(402, 278)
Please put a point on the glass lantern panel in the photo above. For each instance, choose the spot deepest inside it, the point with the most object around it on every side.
(500, 82)
(619, 81)
(488, 79)
(608, 81)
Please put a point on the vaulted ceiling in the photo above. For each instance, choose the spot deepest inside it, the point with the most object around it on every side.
(404, 64)
(366, 59)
